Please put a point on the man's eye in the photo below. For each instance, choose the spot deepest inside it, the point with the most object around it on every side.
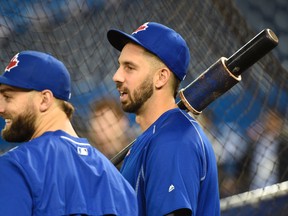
(128, 67)
(6, 97)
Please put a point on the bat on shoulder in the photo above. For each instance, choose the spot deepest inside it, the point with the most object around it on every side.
(219, 78)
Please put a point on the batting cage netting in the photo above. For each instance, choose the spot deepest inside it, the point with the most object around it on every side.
(247, 125)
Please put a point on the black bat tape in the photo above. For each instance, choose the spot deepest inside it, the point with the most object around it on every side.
(219, 78)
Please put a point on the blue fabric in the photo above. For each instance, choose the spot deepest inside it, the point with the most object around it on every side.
(172, 166)
(35, 70)
(57, 174)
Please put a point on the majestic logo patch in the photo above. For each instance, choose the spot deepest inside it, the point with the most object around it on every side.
(141, 28)
(171, 188)
(13, 63)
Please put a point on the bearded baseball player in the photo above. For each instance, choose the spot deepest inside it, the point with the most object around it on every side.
(171, 165)
(52, 171)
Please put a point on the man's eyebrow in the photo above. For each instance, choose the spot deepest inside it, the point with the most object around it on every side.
(11, 89)
(129, 63)
(5, 90)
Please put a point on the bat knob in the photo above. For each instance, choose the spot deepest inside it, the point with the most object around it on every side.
(252, 51)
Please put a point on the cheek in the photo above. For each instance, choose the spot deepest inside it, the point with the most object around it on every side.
(2, 102)
(137, 81)
(14, 109)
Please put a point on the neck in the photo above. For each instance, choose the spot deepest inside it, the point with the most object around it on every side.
(152, 110)
(52, 122)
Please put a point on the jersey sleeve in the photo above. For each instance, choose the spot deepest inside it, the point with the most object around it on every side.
(15, 197)
(172, 174)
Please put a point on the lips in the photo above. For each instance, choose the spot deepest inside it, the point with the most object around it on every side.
(8, 121)
(123, 95)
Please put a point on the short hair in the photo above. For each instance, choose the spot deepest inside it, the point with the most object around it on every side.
(67, 108)
(158, 63)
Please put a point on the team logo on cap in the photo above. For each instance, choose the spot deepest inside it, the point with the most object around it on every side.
(13, 63)
(141, 28)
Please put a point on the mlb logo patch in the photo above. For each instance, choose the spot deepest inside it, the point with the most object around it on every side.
(13, 63)
(82, 151)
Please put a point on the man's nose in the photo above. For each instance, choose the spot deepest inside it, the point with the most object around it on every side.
(118, 76)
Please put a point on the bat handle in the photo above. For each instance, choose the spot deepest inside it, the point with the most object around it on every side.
(118, 158)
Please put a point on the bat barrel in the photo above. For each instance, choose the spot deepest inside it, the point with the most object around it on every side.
(210, 85)
(225, 73)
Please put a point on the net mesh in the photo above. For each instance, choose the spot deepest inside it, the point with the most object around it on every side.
(247, 125)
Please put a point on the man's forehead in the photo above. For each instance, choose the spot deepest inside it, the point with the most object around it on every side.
(132, 54)
(134, 47)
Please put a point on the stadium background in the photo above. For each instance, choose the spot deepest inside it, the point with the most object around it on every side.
(75, 32)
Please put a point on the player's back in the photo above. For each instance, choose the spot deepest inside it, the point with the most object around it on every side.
(65, 175)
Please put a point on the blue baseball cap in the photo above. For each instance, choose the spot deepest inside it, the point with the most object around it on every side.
(160, 40)
(38, 71)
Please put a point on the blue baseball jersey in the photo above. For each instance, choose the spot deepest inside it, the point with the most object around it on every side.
(57, 174)
(172, 166)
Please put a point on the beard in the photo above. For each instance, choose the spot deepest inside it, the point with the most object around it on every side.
(140, 96)
(22, 127)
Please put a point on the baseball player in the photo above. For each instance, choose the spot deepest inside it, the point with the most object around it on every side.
(171, 165)
(52, 171)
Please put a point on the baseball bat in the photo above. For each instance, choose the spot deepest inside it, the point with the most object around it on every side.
(219, 78)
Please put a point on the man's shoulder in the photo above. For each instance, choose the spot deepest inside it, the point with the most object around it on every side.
(173, 122)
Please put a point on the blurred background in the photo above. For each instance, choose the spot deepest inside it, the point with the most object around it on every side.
(247, 125)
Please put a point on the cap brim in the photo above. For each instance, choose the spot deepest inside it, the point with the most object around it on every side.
(119, 39)
(6, 81)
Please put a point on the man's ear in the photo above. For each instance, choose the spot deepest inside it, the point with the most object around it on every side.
(162, 77)
(46, 100)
